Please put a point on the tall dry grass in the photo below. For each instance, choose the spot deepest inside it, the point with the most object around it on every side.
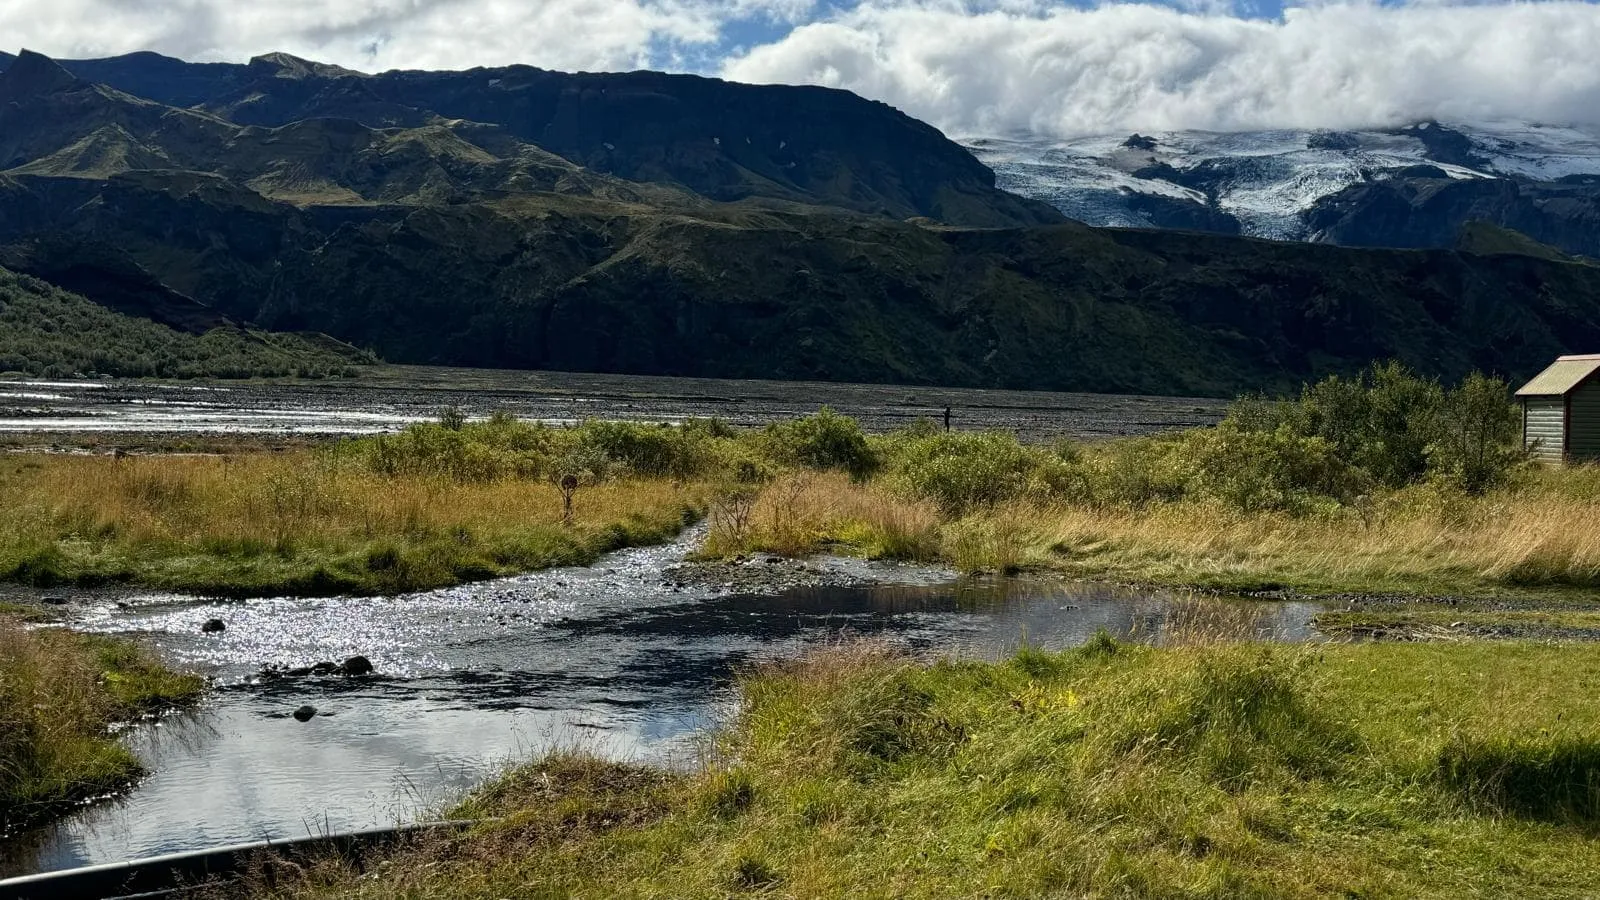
(253, 520)
(58, 692)
(1543, 533)
(1504, 540)
(804, 512)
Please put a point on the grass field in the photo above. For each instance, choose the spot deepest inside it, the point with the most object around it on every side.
(1111, 770)
(59, 691)
(1540, 538)
(304, 522)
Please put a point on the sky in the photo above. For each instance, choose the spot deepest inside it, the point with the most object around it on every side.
(970, 67)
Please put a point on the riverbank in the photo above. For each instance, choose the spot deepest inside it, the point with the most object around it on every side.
(1331, 495)
(305, 523)
(60, 693)
(1376, 770)
(1537, 541)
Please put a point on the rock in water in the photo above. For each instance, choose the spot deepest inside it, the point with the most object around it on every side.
(304, 713)
(356, 665)
(212, 626)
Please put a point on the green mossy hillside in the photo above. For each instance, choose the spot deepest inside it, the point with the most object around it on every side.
(45, 331)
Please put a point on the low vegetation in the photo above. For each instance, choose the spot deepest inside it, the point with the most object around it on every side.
(1217, 770)
(59, 694)
(433, 507)
(45, 331)
(1385, 482)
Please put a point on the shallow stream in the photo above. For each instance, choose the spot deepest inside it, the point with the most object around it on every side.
(614, 658)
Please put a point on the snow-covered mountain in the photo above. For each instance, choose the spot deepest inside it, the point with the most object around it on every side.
(1320, 185)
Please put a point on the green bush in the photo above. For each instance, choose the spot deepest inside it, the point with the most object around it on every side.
(1479, 442)
(1254, 471)
(962, 470)
(1382, 420)
(1399, 428)
(652, 451)
(824, 441)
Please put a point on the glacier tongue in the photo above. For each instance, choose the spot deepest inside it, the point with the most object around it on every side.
(1267, 181)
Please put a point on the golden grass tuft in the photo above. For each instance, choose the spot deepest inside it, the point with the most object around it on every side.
(58, 692)
(805, 512)
(1545, 534)
(304, 522)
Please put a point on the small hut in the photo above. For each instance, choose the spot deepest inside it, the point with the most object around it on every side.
(1561, 411)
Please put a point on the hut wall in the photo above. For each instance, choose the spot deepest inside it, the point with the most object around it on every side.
(1583, 422)
(1544, 427)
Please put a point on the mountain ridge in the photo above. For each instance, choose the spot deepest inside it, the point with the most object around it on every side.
(455, 241)
(723, 140)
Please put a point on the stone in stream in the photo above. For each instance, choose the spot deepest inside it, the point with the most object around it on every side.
(356, 665)
(304, 713)
(212, 626)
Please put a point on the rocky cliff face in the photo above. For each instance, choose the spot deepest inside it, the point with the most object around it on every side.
(1429, 210)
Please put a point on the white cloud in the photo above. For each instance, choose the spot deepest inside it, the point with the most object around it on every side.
(968, 66)
(372, 35)
(1122, 67)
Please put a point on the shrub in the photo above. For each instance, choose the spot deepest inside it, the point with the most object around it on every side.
(960, 470)
(824, 441)
(1253, 471)
(1382, 420)
(1399, 428)
(1478, 439)
(652, 451)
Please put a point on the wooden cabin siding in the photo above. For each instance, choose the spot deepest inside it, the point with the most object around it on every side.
(1544, 422)
(1583, 422)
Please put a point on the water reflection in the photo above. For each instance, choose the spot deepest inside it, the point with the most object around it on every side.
(610, 657)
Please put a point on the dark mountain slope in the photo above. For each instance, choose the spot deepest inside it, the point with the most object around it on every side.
(585, 284)
(442, 240)
(723, 140)
(1423, 211)
(54, 124)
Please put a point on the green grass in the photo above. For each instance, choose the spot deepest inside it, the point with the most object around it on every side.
(1425, 620)
(1111, 770)
(59, 692)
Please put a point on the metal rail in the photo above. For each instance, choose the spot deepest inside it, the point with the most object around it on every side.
(178, 873)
